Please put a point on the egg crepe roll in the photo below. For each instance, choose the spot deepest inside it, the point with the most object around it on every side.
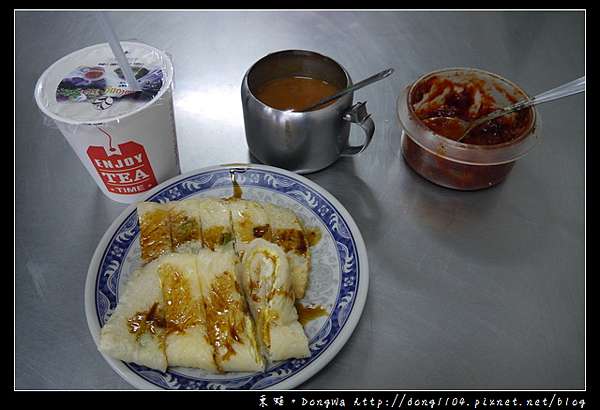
(268, 287)
(216, 222)
(287, 232)
(183, 312)
(186, 226)
(133, 333)
(229, 325)
(155, 229)
(249, 221)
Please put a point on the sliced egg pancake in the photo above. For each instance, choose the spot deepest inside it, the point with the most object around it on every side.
(268, 288)
(134, 332)
(249, 221)
(229, 325)
(287, 231)
(216, 222)
(186, 226)
(217, 289)
(155, 229)
(186, 341)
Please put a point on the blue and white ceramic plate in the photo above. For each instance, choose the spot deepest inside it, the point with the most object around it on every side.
(338, 281)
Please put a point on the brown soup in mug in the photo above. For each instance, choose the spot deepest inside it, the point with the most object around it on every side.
(294, 93)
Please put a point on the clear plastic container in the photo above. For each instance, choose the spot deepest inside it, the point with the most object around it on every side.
(460, 165)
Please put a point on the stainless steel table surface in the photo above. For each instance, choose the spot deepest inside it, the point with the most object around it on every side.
(468, 290)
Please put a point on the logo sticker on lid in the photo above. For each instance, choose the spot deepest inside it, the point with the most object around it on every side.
(104, 84)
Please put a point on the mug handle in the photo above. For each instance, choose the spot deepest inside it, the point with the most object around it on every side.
(357, 114)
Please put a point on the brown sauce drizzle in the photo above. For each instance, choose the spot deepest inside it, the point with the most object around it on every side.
(287, 293)
(237, 189)
(225, 312)
(290, 240)
(178, 312)
(183, 228)
(150, 321)
(265, 326)
(266, 316)
(215, 236)
(244, 228)
(308, 313)
(181, 311)
(253, 286)
(155, 234)
(262, 231)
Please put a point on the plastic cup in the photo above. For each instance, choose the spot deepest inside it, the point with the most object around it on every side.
(127, 142)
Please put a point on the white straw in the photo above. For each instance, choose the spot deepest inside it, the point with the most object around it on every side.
(115, 45)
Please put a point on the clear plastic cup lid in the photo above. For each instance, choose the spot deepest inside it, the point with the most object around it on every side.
(88, 86)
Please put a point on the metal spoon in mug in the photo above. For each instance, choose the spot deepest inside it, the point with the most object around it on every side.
(361, 84)
(565, 90)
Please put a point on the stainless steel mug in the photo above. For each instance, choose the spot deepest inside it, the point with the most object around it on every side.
(301, 141)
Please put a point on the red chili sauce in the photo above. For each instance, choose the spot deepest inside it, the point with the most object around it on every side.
(451, 174)
(439, 97)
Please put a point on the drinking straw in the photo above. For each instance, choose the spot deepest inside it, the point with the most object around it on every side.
(115, 45)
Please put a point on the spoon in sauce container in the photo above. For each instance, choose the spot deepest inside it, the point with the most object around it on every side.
(360, 84)
(458, 129)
